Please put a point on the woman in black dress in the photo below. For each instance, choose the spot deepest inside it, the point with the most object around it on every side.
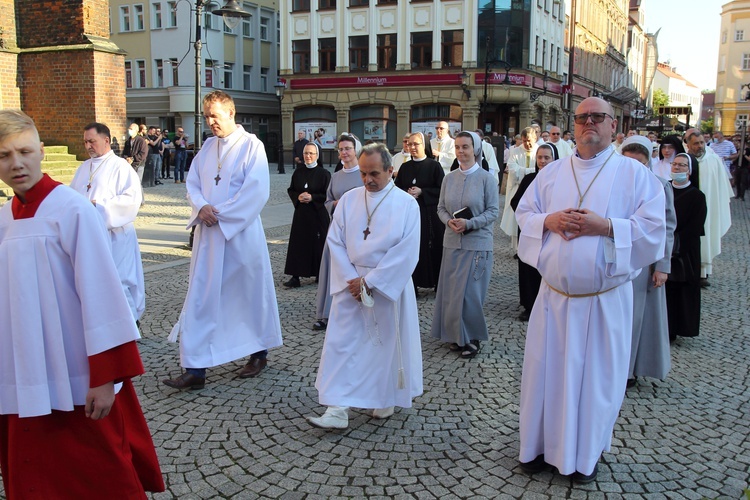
(422, 177)
(310, 221)
(529, 278)
(683, 284)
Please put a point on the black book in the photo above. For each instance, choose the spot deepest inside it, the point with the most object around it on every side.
(464, 213)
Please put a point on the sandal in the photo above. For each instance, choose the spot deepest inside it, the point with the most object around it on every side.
(470, 350)
(455, 347)
(320, 325)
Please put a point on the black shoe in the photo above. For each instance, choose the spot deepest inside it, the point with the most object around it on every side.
(292, 283)
(705, 283)
(581, 478)
(158, 183)
(536, 465)
(631, 383)
(524, 316)
(319, 325)
(186, 381)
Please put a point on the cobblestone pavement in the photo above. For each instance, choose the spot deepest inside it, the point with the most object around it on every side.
(685, 437)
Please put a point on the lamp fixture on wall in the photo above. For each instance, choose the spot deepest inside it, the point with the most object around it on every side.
(465, 80)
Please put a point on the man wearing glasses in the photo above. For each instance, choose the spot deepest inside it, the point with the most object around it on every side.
(443, 147)
(589, 223)
(563, 149)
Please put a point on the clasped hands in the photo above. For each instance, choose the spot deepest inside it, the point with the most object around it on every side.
(355, 287)
(304, 197)
(207, 215)
(572, 223)
(414, 191)
(458, 225)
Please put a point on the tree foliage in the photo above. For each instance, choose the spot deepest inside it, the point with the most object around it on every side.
(660, 98)
(707, 126)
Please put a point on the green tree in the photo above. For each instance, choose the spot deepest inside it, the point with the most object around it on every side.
(707, 126)
(660, 98)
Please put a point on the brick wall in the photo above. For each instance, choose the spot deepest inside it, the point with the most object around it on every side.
(43, 23)
(10, 96)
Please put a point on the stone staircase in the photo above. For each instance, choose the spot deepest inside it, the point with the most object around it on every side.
(58, 163)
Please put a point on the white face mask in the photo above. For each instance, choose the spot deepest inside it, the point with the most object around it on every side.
(132, 133)
(679, 177)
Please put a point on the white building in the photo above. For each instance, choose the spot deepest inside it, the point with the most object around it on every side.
(680, 91)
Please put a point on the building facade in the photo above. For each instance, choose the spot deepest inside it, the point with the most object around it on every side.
(733, 76)
(159, 36)
(680, 91)
(382, 68)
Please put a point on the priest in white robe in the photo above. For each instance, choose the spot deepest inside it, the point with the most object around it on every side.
(589, 224)
(563, 148)
(113, 187)
(372, 356)
(714, 183)
(230, 310)
(443, 147)
(521, 162)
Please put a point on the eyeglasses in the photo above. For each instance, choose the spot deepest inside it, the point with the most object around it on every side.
(309, 153)
(554, 133)
(413, 144)
(595, 117)
(675, 164)
(341, 150)
(439, 128)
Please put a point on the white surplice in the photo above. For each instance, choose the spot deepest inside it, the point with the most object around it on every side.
(578, 348)
(488, 152)
(60, 302)
(518, 168)
(714, 183)
(230, 310)
(446, 147)
(365, 348)
(118, 194)
(563, 148)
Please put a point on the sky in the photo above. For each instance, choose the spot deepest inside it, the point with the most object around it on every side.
(689, 36)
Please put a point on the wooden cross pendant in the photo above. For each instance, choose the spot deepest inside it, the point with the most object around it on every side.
(88, 186)
(217, 179)
(366, 232)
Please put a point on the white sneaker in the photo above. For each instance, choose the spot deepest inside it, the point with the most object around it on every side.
(382, 412)
(335, 417)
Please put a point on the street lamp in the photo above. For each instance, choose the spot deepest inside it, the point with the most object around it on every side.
(280, 88)
(232, 14)
(465, 80)
(489, 63)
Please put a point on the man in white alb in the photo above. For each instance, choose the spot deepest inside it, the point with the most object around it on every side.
(589, 224)
(230, 310)
(563, 148)
(372, 355)
(443, 147)
(115, 190)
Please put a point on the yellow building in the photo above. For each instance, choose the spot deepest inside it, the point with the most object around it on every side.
(733, 77)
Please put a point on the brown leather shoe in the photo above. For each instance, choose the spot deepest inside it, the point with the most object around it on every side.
(252, 368)
(185, 381)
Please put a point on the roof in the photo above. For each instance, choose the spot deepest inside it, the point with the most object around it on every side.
(669, 73)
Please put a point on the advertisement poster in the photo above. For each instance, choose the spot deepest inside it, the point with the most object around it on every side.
(375, 130)
(322, 133)
(428, 128)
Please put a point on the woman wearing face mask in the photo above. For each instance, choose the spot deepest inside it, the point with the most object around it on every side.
(669, 147)
(422, 177)
(683, 284)
(310, 221)
(468, 206)
(342, 181)
(529, 278)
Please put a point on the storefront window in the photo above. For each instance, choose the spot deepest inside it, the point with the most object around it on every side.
(374, 123)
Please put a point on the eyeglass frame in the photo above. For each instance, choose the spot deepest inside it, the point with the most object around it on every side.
(595, 118)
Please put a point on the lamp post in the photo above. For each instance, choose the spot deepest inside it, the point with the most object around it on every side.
(232, 14)
(489, 63)
(280, 88)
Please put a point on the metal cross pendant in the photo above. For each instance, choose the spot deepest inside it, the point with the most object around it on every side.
(88, 186)
(217, 179)
(366, 232)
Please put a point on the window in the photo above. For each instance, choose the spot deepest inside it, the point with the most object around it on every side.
(124, 18)
(327, 55)
(172, 18)
(264, 22)
(421, 50)
(739, 35)
(326, 4)
(138, 11)
(210, 65)
(278, 30)
(156, 11)
(175, 71)
(141, 74)
(387, 51)
(387, 2)
(546, 5)
(358, 53)
(264, 79)
(208, 21)
(159, 73)
(724, 36)
(247, 80)
(300, 5)
(301, 56)
(247, 23)
(359, 3)
(128, 74)
(227, 29)
(746, 62)
(453, 48)
(228, 75)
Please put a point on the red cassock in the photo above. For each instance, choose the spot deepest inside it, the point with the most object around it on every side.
(64, 454)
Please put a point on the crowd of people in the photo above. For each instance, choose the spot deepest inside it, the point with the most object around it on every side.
(612, 241)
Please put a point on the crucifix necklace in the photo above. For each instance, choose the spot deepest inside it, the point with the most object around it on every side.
(582, 196)
(366, 232)
(92, 174)
(221, 160)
